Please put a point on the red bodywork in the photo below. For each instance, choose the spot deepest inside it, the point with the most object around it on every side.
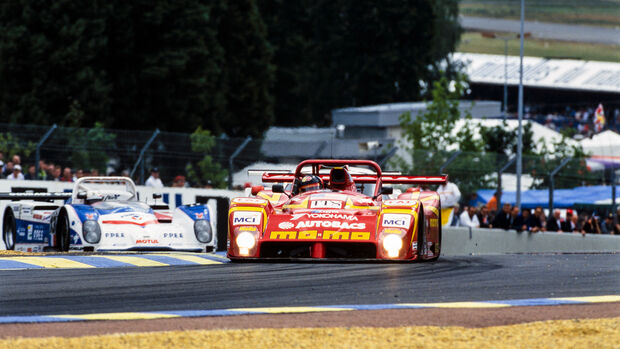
(334, 223)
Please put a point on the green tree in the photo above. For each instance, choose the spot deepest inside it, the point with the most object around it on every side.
(206, 170)
(342, 52)
(430, 139)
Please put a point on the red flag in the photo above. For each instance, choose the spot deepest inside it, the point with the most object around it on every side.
(599, 118)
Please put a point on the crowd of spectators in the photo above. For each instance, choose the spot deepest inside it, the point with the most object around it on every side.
(13, 169)
(510, 217)
(580, 119)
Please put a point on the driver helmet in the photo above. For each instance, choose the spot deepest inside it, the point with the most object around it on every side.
(309, 183)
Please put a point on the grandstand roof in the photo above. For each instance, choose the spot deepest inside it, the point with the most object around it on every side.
(543, 72)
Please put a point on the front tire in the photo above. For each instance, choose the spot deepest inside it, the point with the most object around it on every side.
(63, 234)
(9, 229)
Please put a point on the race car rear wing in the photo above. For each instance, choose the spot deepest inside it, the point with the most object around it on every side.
(35, 196)
(270, 177)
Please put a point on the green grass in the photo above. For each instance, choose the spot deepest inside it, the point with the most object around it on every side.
(473, 42)
(604, 13)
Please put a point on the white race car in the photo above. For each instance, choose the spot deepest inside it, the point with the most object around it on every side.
(103, 214)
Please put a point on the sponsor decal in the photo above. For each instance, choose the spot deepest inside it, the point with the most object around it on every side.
(319, 215)
(434, 223)
(314, 235)
(199, 215)
(286, 225)
(249, 201)
(111, 197)
(147, 241)
(391, 231)
(89, 215)
(400, 203)
(29, 232)
(247, 229)
(325, 204)
(396, 220)
(26, 210)
(330, 224)
(414, 245)
(246, 218)
(173, 235)
(114, 235)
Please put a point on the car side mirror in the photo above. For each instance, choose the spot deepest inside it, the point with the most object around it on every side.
(277, 188)
(257, 189)
(81, 195)
(156, 196)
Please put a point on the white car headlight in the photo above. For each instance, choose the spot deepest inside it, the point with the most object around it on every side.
(202, 229)
(91, 231)
(392, 243)
(245, 241)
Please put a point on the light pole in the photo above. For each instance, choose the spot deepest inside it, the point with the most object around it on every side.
(505, 38)
(520, 141)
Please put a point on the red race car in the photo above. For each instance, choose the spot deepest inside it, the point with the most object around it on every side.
(336, 209)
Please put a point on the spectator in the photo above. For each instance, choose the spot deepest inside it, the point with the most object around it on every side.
(449, 195)
(8, 169)
(608, 226)
(503, 219)
(16, 174)
(56, 174)
(154, 180)
(1, 164)
(519, 221)
(94, 172)
(568, 226)
(483, 217)
(590, 226)
(469, 218)
(454, 220)
(78, 174)
(535, 222)
(492, 204)
(66, 175)
(554, 223)
(32, 174)
(42, 170)
(179, 182)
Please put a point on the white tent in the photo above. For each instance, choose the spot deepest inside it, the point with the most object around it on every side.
(606, 143)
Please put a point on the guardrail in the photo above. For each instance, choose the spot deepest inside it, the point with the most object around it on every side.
(472, 241)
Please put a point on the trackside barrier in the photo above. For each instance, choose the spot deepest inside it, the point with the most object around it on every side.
(475, 241)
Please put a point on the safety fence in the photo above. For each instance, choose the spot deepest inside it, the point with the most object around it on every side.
(211, 161)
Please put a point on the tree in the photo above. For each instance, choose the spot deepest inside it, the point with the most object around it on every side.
(206, 171)
(430, 139)
(247, 68)
(340, 53)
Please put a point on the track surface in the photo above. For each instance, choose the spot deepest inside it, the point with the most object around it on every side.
(548, 31)
(28, 292)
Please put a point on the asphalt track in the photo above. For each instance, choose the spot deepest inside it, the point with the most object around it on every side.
(547, 31)
(231, 285)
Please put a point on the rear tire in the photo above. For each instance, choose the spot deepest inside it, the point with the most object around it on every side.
(9, 229)
(63, 235)
(421, 233)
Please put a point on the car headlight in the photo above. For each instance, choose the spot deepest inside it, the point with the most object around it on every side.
(91, 231)
(202, 229)
(392, 244)
(245, 241)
